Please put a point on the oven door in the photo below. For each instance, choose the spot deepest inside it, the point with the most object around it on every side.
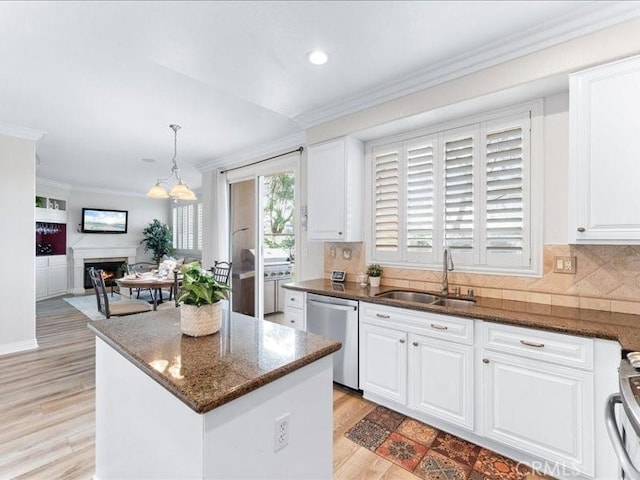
(623, 437)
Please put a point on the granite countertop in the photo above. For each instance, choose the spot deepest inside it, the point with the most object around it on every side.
(206, 372)
(625, 328)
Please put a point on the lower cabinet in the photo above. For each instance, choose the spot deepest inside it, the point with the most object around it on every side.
(441, 379)
(294, 309)
(383, 362)
(51, 276)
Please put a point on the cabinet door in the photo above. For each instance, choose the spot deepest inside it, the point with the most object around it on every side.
(42, 282)
(604, 167)
(326, 191)
(542, 409)
(383, 362)
(294, 317)
(441, 379)
(57, 281)
(269, 296)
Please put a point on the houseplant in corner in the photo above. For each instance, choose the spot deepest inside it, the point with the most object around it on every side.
(375, 272)
(158, 239)
(200, 295)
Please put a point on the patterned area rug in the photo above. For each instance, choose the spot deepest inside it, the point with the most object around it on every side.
(429, 453)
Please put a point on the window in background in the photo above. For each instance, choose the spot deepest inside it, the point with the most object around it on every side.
(187, 227)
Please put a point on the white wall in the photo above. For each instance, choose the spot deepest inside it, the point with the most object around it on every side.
(142, 210)
(17, 243)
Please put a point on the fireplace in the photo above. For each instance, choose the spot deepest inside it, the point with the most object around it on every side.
(112, 269)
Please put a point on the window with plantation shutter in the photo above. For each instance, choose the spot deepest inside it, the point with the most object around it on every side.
(187, 227)
(387, 202)
(459, 158)
(470, 186)
(420, 197)
(506, 217)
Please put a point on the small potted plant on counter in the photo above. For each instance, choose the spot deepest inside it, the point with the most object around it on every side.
(375, 272)
(200, 295)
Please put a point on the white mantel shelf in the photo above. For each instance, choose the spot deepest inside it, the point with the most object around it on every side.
(82, 253)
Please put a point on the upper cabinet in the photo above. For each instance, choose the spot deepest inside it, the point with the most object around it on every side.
(604, 162)
(335, 182)
(51, 209)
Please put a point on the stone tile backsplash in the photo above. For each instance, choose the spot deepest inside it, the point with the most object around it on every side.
(607, 277)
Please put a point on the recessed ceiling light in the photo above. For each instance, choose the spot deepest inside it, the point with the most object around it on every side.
(149, 160)
(318, 57)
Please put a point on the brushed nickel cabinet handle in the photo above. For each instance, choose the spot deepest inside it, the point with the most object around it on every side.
(581, 229)
(401, 340)
(485, 360)
(415, 344)
(531, 344)
(381, 315)
(439, 327)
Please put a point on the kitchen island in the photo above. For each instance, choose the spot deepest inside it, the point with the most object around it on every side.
(172, 406)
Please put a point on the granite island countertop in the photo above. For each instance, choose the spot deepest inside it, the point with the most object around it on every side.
(207, 372)
(623, 327)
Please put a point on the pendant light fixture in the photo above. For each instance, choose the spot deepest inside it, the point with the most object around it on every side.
(180, 191)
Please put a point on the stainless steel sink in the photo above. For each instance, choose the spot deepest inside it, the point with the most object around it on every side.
(416, 297)
(454, 302)
(426, 298)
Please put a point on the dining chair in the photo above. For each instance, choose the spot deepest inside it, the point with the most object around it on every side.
(221, 271)
(175, 290)
(140, 267)
(119, 309)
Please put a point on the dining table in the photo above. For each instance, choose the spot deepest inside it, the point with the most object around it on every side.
(153, 283)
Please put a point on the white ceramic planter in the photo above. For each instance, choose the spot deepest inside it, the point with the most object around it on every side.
(200, 321)
(374, 281)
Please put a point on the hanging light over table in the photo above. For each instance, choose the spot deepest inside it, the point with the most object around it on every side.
(180, 191)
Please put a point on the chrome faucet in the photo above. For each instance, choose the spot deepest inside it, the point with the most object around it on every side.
(447, 266)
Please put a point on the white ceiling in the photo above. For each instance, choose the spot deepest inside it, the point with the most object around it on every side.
(105, 79)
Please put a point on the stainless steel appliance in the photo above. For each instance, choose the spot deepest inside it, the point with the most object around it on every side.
(277, 271)
(337, 319)
(625, 433)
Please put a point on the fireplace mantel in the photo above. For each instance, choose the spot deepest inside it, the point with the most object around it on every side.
(82, 253)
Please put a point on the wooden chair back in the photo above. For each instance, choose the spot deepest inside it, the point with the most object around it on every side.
(221, 271)
(97, 280)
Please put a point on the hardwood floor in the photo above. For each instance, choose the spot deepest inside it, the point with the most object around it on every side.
(47, 401)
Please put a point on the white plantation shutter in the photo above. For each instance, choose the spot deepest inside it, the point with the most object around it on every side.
(460, 201)
(386, 193)
(420, 156)
(506, 190)
(199, 227)
(184, 227)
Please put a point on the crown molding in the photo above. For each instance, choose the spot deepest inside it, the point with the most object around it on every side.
(594, 17)
(107, 191)
(21, 132)
(46, 182)
(251, 154)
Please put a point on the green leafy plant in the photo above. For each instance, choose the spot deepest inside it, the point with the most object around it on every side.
(374, 270)
(158, 239)
(199, 287)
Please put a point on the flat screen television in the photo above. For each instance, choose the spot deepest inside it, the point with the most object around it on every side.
(98, 220)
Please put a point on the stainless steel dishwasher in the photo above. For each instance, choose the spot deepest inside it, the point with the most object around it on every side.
(337, 319)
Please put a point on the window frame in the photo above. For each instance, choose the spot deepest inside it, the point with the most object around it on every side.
(196, 231)
(533, 182)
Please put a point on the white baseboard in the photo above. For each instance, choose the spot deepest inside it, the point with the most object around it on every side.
(18, 346)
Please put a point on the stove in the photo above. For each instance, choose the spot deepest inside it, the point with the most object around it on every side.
(277, 270)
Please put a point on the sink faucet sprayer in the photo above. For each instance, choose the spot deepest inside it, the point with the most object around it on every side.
(447, 266)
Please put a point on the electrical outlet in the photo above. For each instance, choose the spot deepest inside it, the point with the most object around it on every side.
(281, 432)
(564, 264)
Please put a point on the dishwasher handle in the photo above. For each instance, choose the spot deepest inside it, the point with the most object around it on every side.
(335, 306)
(616, 438)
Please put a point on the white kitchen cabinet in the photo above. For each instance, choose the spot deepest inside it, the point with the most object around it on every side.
(445, 392)
(335, 179)
(48, 209)
(533, 397)
(51, 276)
(383, 362)
(604, 164)
(294, 309)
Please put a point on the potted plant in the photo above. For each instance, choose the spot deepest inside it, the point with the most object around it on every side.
(200, 295)
(158, 239)
(375, 272)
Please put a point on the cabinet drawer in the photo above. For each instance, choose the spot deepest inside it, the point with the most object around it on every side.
(294, 299)
(433, 325)
(550, 347)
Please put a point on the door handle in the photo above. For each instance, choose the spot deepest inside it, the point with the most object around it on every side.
(616, 438)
